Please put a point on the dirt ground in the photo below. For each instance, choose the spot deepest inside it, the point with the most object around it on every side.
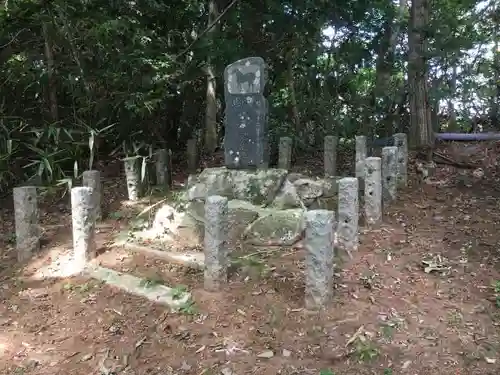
(421, 296)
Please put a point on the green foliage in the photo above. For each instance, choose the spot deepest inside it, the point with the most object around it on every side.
(124, 78)
(150, 282)
(366, 350)
(179, 291)
(188, 308)
(496, 289)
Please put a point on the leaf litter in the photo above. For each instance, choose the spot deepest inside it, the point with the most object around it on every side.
(417, 297)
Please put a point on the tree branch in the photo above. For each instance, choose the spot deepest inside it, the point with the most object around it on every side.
(209, 27)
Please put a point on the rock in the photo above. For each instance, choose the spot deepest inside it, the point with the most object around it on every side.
(185, 366)
(279, 227)
(258, 187)
(266, 354)
(265, 207)
(329, 186)
(308, 190)
(292, 177)
(478, 173)
(324, 203)
(212, 181)
(192, 227)
(166, 218)
(240, 215)
(287, 197)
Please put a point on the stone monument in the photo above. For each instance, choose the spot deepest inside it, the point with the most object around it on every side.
(246, 133)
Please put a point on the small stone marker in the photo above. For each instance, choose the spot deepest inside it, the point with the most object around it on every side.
(92, 179)
(216, 237)
(318, 241)
(401, 142)
(330, 155)
(26, 217)
(133, 177)
(83, 220)
(162, 164)
(285, 153)
(389, 173)
(348, 214)
(192, 155)
(373, 190)
(361, 152)
(246, 127)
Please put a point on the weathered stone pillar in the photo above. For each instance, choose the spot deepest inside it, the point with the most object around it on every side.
(348, 214)
(361, 153)
(82, 212)
(92, 179)
(26, 218)
(330, 155)
(373, 190)
(389, 173)
(133, 177)
(320, 227)
(216, 237)
(401, 142)
(285, 153)
(162, 163)
(192, 155)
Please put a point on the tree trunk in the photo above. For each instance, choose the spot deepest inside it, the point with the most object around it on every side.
(211, 103)
(452, 114)
(51, 80)
(291, 87)
(384, 70)
(421, 129)
(495, 100)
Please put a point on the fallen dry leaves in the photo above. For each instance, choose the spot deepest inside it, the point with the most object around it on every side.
(418, 297)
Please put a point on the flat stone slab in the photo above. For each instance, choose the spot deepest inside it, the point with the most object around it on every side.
(188, 259)
(135, 285)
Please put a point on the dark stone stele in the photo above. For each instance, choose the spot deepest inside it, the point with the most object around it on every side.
(246, 128)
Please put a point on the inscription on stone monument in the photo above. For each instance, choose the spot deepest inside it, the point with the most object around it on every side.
(246, 138)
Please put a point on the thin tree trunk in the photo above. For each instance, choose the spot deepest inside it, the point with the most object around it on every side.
(418, 77)
(452, 114)
(291, 87)
(384, 68)
(211, 103)
(51, 80)
(495, 100)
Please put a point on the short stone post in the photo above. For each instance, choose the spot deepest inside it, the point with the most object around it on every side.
(330, 155)
(320, 227)
(26, 217)
(389, 173)
(348, 214)
(401, 142)
(285, 153)
(361, 153)
(192, 155)
(216, 237)
(133, 177)
(92, 179)
(148, 167)
(373, 190)
(83, 220)
(162, 162)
